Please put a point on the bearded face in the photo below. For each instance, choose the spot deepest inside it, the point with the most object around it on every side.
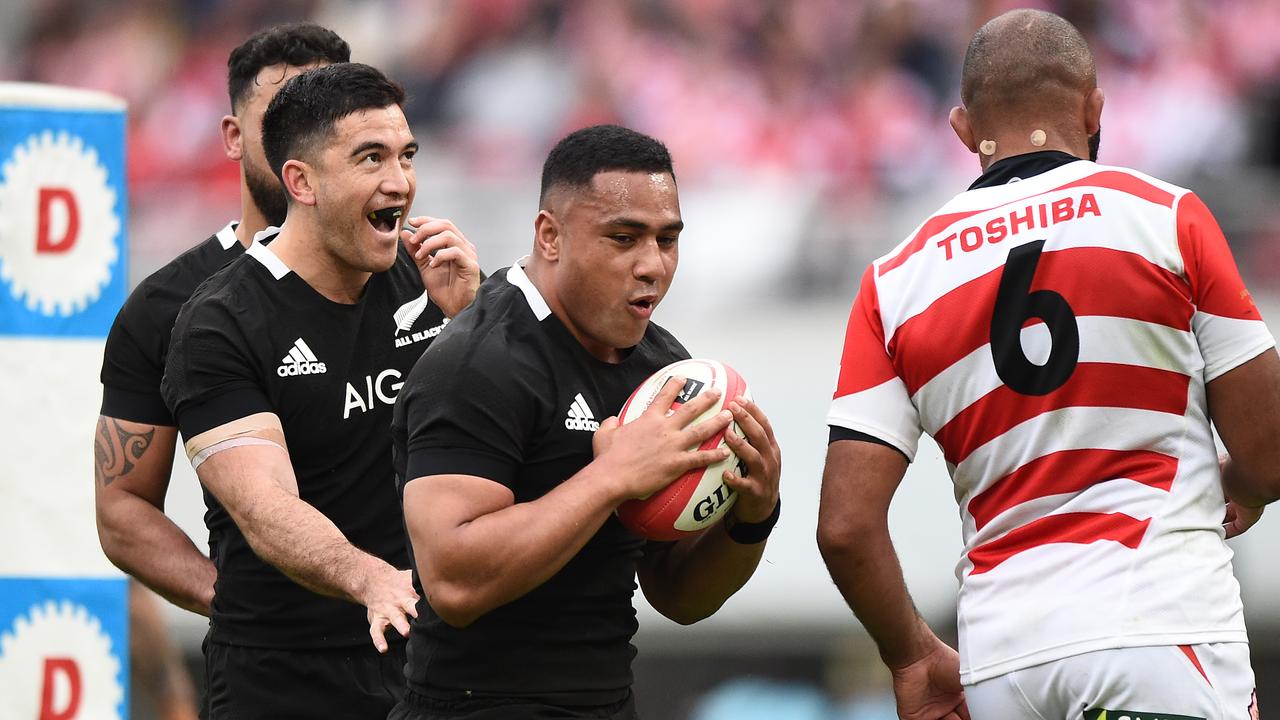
(267, 192)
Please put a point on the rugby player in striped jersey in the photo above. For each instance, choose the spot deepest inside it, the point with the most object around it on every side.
(1069, 334)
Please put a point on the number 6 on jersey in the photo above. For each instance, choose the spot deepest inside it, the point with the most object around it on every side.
(1015, 304)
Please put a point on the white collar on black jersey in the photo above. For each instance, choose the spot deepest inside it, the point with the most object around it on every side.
(266, 233)
(227, 235)
(516, 276)
(263, 254)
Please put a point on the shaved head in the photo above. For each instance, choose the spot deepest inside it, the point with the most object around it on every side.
(1026, 63)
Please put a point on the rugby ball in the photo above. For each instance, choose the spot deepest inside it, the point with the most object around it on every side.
(697, 499)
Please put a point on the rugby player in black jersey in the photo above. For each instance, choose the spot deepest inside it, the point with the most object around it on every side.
(281, 374)
(134, 441)
(509, 485)
(136, 433)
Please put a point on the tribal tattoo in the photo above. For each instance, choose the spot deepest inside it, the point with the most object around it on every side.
(116, 450)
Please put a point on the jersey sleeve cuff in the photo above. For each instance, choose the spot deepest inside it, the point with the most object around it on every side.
(844, 433)
(147, 408)
(454, 461)
(873, 434)
(195, 418)
(1249, 352)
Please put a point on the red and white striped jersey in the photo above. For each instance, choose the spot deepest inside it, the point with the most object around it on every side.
(1054, 335)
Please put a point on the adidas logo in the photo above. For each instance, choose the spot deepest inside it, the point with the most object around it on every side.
(300, 361)
(580, 416)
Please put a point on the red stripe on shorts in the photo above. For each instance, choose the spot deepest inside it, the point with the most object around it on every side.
(1191, 655)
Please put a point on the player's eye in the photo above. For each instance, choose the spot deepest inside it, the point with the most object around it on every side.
(622, 238)
(668, 240)
(373, 158)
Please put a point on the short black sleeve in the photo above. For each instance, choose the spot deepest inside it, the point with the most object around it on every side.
(133, 365)
(210, 377)
(134, 357)
(466, 413)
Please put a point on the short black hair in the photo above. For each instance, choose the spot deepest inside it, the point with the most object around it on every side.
(576, 159)
(305, 111)
(1024, 59)
(296, 44)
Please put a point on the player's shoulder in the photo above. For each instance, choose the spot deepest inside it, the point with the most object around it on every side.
(161, 293)
(497, 324)
(1078, 175)
(665, 347)
(1134, 181)
(233, 294)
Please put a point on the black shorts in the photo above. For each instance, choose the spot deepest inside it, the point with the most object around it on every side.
(419, 707)
(350, 683)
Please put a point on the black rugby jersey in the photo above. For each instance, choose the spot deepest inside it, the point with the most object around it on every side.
(133, 359)
(507, 393)
(257, 338)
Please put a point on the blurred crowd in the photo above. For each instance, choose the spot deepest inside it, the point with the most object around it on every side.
(842, 101)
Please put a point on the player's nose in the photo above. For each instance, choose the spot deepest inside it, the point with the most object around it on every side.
(398, 180)
(648, 263)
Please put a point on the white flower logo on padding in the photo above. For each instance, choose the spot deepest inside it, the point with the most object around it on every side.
(57, 241)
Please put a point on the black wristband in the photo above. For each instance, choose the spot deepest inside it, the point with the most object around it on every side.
(745, 533)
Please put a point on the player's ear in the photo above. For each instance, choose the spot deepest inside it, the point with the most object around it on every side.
(1093, 103)
(231, 137)
(959, 119)
(297, 179)
(546, 235)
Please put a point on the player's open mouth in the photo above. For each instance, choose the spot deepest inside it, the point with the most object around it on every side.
(644, 305)
(385, 220)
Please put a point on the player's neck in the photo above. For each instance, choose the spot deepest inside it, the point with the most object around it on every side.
(542, 278)
(252, 221)
(296, 248)
(1020, 142)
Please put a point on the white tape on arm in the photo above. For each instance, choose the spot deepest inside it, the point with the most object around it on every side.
(218, 447)
(257, 429)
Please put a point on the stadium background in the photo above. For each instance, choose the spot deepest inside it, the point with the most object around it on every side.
(808, 136)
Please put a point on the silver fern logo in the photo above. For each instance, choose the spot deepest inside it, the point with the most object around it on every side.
(409, 313)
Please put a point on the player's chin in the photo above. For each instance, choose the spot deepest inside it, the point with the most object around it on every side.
(380, 251)
(630, 333)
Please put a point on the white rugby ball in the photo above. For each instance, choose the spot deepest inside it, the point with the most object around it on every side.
(697, 499)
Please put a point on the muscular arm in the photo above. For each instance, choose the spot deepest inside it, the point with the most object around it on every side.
(477, 549)
(1244, 404)
(256, 485)
(853, 535)
(132, 462)
(690, 580)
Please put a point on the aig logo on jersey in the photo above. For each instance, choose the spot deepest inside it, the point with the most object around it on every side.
(300, 361)
(384, 389)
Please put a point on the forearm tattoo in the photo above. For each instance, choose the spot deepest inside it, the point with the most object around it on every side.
(116, 450)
